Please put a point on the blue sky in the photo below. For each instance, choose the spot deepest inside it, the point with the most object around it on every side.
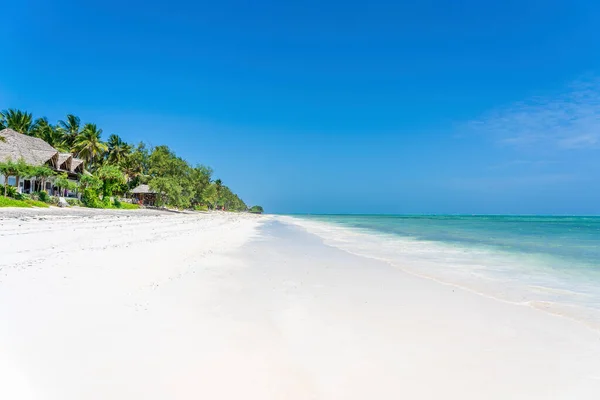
(322, 106)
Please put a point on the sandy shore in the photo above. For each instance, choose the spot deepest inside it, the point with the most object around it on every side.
(154, 305)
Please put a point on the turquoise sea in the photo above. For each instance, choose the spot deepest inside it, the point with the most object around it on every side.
(547, 262)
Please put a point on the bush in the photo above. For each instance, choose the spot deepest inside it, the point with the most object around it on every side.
(201, 207)
(106, 203)
(117, 203)
(22, 196)
(43, 196)
(90, 199)
(11, 191)
(74, 202)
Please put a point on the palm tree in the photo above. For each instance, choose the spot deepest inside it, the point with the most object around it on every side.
(52, 135)
(89, 146)
(20, 121)
(117, 149)
(71, 129)
(2, 121)
(131, 167)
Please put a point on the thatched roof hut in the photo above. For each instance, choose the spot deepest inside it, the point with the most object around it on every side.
(143, 189)
(68, 163)
(144, 195)
(64, 161)
(34, 151)
(76, 165)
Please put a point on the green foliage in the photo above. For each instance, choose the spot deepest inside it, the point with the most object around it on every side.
(11, 191)
(20, 121)
(36, 203)
(53, 135)
(210, 196)
(127, 206)
(89, 145)
(201, 207)
(256, 209)
(118, 150)
(43, 196)
(74, 202)
(89, 181)
(91, 199)
(118, 166)
(62, 182)
(112, 179)
(71, 129)
(8, 202)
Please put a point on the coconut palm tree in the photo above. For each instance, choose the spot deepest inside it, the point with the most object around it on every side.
(71, 128)
(89, 145)
(2, 121)
(20, 121)
(117, 149)
(52, 135)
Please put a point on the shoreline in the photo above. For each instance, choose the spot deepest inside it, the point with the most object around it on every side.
(231, 306)
(346, 238)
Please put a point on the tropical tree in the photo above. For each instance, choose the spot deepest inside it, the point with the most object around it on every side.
(118, 150)
(89, 146)
(50, 134)
(22, 170)
(210, 196)
(112, 179)
(20, 121)
(43, 172)
(62, 182)
(2, 123)
(71, 129)
(7, 169)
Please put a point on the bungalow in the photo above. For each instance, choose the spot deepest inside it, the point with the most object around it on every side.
(143, 195)
(34, 151)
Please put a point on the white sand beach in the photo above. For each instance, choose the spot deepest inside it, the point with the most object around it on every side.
(147, 305)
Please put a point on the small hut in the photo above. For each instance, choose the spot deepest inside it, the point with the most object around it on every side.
(144, 195)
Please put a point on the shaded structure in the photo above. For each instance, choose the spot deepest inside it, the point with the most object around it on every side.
(34, 151)
(145, 196)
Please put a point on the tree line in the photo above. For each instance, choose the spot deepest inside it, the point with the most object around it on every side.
(114, 167)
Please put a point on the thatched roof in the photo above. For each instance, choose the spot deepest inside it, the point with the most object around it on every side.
(32, 150)
(64, 161)
(141, 189)
(76, 165)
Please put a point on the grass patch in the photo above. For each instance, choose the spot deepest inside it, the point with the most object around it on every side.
(128, 206)
(8, 202)
(36, 203)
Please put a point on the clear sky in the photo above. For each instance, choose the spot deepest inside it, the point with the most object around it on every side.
(333, 106)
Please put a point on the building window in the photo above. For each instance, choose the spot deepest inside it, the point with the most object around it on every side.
(12, 180)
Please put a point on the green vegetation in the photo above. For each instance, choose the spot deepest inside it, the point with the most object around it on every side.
(256, 209)
(128, 206)
(114, 167)
(10, 202)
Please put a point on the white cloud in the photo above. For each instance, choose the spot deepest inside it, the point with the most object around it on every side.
(569, 120)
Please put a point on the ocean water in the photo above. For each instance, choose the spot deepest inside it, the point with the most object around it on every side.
(547, 262)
